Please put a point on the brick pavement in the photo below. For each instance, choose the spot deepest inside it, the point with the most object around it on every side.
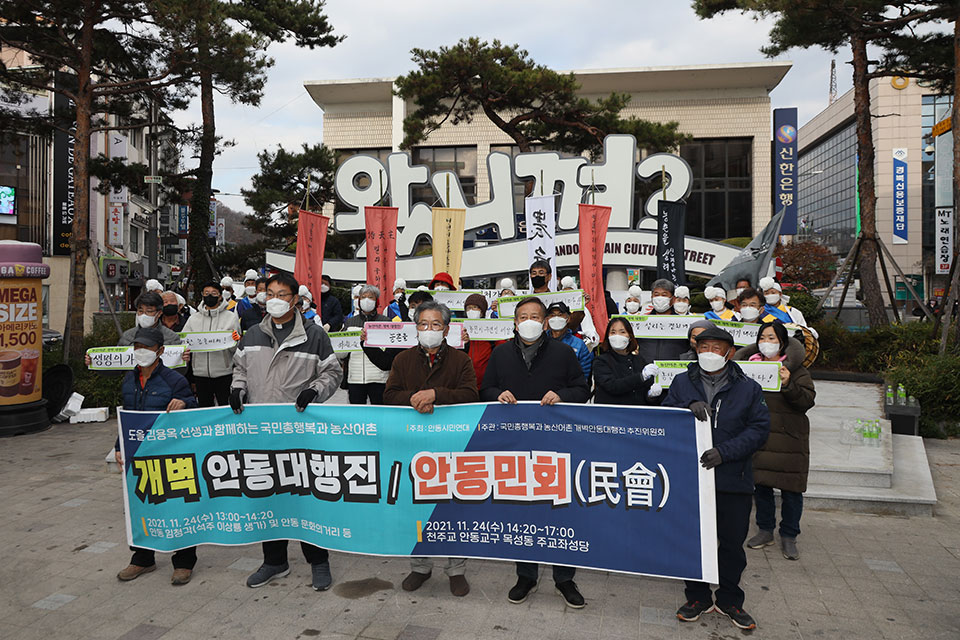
(63, 540)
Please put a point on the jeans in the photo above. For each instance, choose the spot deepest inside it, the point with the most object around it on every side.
(791, 508)
(358, 393)
(275, 553)
(531, 570)
(454, 566)
(733, 521)
(182, 559)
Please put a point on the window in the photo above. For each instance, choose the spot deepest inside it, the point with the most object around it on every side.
(933, 110)
(462, 161)
(134, 239)
(721, 198)
(827, 192)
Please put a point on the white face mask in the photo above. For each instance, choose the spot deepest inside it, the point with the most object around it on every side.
(410, 312)
(441, 287)
(681, 307)
(144, 357)
(305, 304)
(749, 314)
(397, 296)
(430, 339)
(632, 306)
(277, 307)
(227, 294)
(739, 291)
(530, 330)
(660, 303)
(261, 297)
(618, 341)
(324, 288)
(367, 304)
(250, 291)
(769, 349)
(557, 323)
(717, 305)
(710, 361)
(772, 298)
(146, 321)
(474, 314)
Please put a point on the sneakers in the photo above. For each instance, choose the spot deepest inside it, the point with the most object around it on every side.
(789, 548)
(738, 617)
(321, 576)
(181, 577)
(692, 610)
(459, 586)
(521, 590)
(132, 572)
(763, 539)
(266, 573)
(415, 580)
(571, 595)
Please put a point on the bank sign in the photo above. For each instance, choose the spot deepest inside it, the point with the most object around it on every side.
(573, 179)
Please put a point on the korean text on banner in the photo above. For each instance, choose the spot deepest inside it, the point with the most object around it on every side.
(593, 237)
(900, 204)
(311, 242)
(670, 228)
(121, 358)
(394, 335)
(115, 224)
(541, 222)
(943, 237)
(766, 374)
(381, 226)
(785, 167)
(575, 485)
(448, 241)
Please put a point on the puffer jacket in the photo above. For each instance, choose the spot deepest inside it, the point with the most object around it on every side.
(784, 461)
(277, 373)
(360, 369)
(161, 387)
(584, 356)
(212, 364)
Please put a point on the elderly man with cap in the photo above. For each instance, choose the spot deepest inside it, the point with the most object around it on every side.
(719, 310)
(443, 281)
(717, 391)
(151, 386)
(393, 310)
(171, 316)
(681, 301)
(249, 298)
(558, 320)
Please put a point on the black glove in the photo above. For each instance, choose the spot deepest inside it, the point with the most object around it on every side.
(710, 459)
(700, 409)
(236, 400)
(306, 397)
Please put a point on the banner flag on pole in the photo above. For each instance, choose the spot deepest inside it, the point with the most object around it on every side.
(541, 221)
(751, 263)
(594, 219)
(311, 242)
(381, 227)
(448, 227)
(670, 228)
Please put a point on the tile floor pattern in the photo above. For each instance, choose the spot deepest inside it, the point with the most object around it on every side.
(62, 539)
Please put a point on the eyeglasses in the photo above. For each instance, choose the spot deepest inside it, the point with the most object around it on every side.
(430, 326)
(282, 296)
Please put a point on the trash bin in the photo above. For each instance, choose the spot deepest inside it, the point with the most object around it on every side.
(22, 408)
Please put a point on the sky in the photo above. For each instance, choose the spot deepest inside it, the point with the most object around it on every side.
(560, 34)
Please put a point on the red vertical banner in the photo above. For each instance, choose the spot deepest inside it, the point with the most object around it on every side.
(381, 227)
(311, 242)
(593, 237)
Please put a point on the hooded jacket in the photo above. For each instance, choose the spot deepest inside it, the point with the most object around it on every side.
(554, 368)
(212, 364)
(739, 418)
(277, 373)
(784, 461)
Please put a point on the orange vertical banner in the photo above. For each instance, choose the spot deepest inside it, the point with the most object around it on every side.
(311, 242)
(593, 237)
(381, 228)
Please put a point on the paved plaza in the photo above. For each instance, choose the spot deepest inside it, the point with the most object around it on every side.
(63, 541)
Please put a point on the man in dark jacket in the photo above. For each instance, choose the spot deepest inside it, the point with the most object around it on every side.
(534, 366)
(716, 389)
(258, 308)
(429, 374)
(331, 313)
(153, 387)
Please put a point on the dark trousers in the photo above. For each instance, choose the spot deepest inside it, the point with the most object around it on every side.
(182, 559)
(358, 393)
(733, 521)
(531, 570)
(791, 508)
(275, 553)
(209, 389)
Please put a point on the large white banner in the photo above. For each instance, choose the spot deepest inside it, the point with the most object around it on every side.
(541, 220)
(943, 237)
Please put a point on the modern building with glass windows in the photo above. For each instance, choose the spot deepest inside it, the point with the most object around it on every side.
(725, 109)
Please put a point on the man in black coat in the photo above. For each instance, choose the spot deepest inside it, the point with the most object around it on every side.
(331, 313)
(534, 366)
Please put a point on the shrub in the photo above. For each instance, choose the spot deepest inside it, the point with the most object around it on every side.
(807, 304)
(934, 380)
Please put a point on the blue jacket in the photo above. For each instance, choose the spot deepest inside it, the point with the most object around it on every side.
(579, 348)
(741, 422)
(162, 387)
(244, 304)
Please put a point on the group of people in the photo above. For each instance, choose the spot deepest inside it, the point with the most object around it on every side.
(284, 355)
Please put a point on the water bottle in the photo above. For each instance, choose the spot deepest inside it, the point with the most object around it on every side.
(889, 394)
(901, 395)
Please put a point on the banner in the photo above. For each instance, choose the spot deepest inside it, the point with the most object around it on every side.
(212, 229)
(345, 341)
(454, 300)
(392, 335)
(670, 326)
(183, 221)
(21, 333)
(900, 211)
(785, 167)
(766, 374)
(489, 329)
(115, 224)
(448, 241)
(121, 358)
(381, 226)
(64, 184)
(614, 488)
(118, 150)
(593, 235)
(573, 298)
(753, 262)
(541, 223)
(201, 341)
(311, 243)
(943, 239)
(670, 227)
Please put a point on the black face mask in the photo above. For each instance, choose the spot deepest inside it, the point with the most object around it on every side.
(538, 281)
(169, 309)
(211, 300)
